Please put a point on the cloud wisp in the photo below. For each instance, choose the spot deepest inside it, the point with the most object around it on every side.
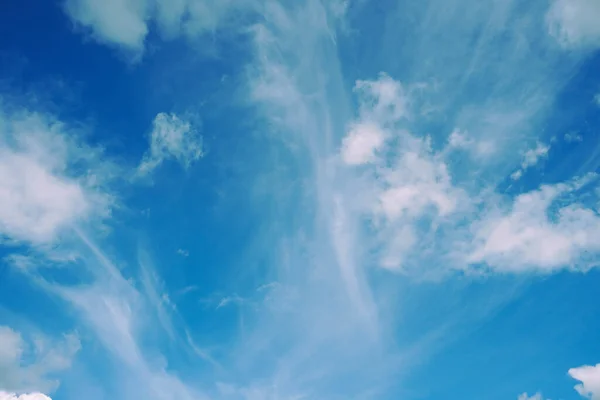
(171, 138)
(402, 175)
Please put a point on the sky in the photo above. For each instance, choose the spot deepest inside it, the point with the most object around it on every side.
(307, 199)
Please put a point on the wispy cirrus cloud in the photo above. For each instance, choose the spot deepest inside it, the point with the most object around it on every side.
(53, 186)
(379, 188)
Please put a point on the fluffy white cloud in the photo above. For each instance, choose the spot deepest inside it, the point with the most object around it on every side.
(589, 376)
(574, 23)
(383, 100)
(171, 138)
(26, 367)
(531, 158)
(538, 233)
(28, 396)
(126, 23)
(361, 144)
(414, 184)
(47, 179)
(421, 216)
(597, 99)
(121, 22)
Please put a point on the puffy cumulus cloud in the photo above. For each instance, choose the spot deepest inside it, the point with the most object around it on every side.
(411, 186)
(422, 215)
(48, 179)
(538, 233)
(126, 23)
(574, 23)
(26, 367)
(27, 396)
(531, 158)
(121, 22)
(383, 102)
(171, 138)
(589, 376)
(361, 144)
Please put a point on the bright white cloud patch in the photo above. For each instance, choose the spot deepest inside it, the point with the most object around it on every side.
(574, 23)
(415, 185)
(171, 138)
(29, 396)
(27, 367)
(121, 22)
(361, 144)
(126, 23)
(589, 376)
(531, 158)
(41, 191)
(538, 233)
(423, 216)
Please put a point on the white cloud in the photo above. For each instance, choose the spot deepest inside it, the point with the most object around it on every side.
(126, 23)
(531, 158)
(589, 376)
(121, 22)
(573, 137)
(415, 183)
(183, 252)
(525, 396)
(418, 211)
(48, 181)
(459, 140)
(112, 307)
(27, 367)
(515, 176)
(383, 100)
(171, 138)
(361, 143)
(574, 23)
(538, 233)
(28, 396)
(597, 99)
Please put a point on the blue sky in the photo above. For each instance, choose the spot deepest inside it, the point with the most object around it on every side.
(308, 199)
